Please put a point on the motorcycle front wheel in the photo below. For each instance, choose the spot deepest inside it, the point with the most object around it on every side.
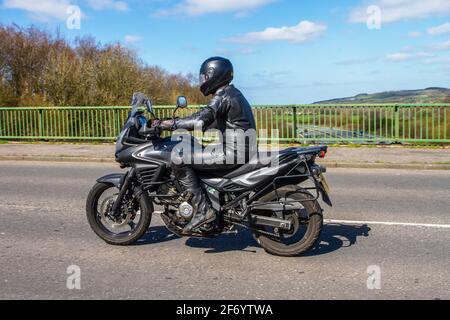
(132, 224)
(306, 225)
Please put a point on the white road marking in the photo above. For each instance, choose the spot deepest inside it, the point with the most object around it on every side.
(385, 223)
(403, 224)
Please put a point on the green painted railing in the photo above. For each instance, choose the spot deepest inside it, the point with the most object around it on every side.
(425, 123)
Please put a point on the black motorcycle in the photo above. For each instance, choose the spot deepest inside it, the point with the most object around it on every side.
(277, 201)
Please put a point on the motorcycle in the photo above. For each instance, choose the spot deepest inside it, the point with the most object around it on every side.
(277, 201)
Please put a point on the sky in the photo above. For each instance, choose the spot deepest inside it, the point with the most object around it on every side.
(283, 51)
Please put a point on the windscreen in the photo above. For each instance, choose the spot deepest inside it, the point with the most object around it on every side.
(137, 107)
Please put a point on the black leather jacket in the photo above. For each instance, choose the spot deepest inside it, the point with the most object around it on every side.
(227, 110)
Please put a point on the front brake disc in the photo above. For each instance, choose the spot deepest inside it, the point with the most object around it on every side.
(105, 213)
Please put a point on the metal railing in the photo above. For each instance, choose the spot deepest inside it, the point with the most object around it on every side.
(424, 123)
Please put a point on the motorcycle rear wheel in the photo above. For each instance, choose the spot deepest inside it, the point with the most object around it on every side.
(309, 229)
(137, 230)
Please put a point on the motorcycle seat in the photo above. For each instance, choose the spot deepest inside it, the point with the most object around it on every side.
(243, 169)
(268, 161)
(240, 170)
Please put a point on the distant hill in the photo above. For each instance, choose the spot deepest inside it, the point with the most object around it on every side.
(428, 95)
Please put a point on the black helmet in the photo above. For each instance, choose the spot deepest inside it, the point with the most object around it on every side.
(215, 73)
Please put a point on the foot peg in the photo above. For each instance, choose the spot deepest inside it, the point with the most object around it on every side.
(200, 220)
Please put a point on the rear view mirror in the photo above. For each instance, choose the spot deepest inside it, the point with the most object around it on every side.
(182, 102)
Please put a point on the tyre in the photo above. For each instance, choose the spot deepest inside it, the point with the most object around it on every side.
(124, 230)
(307, 225)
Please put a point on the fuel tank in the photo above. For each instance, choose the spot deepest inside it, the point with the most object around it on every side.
(150, 160)
(157, 151)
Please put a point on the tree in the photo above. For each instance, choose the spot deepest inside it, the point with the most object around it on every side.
(39, 68)
(447, 99)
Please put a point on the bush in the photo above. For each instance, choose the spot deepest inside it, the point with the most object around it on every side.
(38, 68)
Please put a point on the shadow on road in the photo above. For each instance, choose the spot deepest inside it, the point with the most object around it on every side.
(156, 234)
(227, 242)
(334, 237)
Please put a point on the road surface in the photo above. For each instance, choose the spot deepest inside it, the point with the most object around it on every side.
(395, 220)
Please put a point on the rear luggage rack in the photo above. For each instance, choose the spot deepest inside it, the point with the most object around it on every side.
(308, 174)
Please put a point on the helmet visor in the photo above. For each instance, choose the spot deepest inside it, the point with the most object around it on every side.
(203, 78)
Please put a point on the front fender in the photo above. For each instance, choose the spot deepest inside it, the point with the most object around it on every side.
(114, 179)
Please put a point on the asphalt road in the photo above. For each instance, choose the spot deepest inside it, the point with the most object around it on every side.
(43, 230)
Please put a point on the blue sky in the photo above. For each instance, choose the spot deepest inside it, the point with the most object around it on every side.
(284, 51)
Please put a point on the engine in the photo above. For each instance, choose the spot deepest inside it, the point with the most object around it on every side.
(178, 206)
(185, 211)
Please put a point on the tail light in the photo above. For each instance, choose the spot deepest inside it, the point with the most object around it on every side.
(322, 154)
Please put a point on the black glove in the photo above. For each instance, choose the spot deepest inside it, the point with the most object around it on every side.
(152, 129)
(167, 125)
(154, 123)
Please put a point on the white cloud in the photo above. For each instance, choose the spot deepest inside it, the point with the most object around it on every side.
(424, 54)
(302, 32)
(45, 10)
(247, 50)
(399, 56)
(441, 46)
(132, 38)
(407, 56)
(202, 7)
(415, 34)
(440, 30)
(41, 10)
(440, 60)
(108, 4)
(232, 52)
(224, 52)
(356, 61)
(397, 10)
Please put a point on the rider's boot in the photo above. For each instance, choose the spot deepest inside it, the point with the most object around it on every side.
(202, 208)
(203, 213)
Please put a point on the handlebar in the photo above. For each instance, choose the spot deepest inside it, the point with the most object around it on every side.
(134, 140)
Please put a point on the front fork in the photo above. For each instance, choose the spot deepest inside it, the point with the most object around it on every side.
(123, 190)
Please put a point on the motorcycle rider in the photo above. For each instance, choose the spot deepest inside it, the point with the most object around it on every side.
(227, 111)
